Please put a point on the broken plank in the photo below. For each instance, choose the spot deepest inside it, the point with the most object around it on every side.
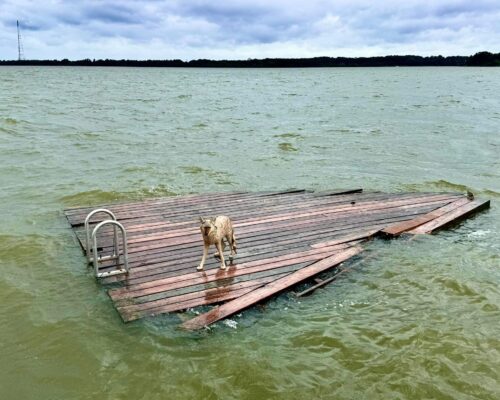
(192, 299)
(451, 217)
(204, 277)
(175, 292)
(268, 290)
(318, 285)
(401, 227)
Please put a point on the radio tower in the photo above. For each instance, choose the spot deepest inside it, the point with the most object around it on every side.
(20, 50)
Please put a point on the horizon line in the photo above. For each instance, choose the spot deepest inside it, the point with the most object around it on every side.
(483, 58)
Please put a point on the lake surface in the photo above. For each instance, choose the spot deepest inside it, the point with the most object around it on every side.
(419, 319)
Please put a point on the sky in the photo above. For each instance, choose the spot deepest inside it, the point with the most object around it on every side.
(241, 29)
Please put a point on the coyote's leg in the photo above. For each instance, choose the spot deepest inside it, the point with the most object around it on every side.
(217, 254)
(221, 252)
(232, 245)
(205, 252)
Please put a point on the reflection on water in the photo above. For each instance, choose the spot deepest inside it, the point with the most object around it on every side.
(420, 320)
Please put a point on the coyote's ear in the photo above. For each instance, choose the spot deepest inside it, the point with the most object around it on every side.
(202, 220)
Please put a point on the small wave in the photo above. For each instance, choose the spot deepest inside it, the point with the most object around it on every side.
(149, 100)
(193, 169)
(231, 323)
(491, 193)
(82, 135)
(479, 233)
(437, 185)
(220, 177)
(11, 121)
(25, 253)
(285, 146)
(458, 288)
(9, 131)
(138, 168)
(12, 246)
(290, 135)
(99, 196)
(91, 135)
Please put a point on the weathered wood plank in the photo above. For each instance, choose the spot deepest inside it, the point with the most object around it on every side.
(249, 225)
(161, 201)
(197, 277)
(452, 217)
(193, 231)
(175, 295)
(245, 206)
(180, 213)
(149, 256)
(398, 228)
(141, 210)
(179, 266)
(216, 297)
(268, 290)
(286, 221)
(271, 243)
(189, 258)
(180, 207)
(211, 296)
(318, 231)
(193, 299)
(187, 255)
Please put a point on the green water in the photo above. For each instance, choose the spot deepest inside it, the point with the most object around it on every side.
(417, 320)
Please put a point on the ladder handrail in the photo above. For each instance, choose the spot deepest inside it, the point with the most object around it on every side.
(124, 245)
(87, 231)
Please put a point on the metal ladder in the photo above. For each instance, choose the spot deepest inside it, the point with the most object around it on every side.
(92, 253)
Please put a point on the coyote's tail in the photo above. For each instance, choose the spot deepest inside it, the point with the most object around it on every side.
(234, 242)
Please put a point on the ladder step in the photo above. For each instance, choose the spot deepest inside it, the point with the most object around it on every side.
(111, 273)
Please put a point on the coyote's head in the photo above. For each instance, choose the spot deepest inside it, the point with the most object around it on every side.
(207, 225)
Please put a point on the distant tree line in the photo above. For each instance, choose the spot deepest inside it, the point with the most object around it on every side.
(484, 59)
(479, 59)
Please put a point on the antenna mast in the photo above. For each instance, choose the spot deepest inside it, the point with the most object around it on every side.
(20, 50)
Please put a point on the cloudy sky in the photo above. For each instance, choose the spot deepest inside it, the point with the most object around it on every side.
(240, 29)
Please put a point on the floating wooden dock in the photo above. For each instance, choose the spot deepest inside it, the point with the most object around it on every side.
(283, 238)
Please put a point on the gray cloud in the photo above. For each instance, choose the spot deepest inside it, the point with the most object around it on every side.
(247, 28)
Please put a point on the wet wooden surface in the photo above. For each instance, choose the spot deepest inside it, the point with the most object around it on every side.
(280, 237)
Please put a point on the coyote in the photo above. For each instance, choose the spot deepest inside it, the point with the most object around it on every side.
(214, 231)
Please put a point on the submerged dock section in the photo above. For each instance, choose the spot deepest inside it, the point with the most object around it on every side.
(283, 238)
